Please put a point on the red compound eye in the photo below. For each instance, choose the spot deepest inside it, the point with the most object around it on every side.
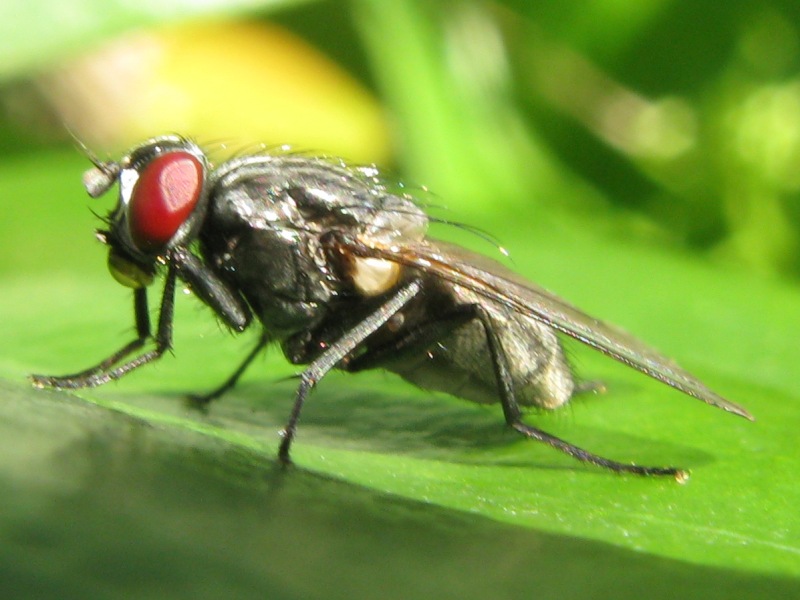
(163, 198)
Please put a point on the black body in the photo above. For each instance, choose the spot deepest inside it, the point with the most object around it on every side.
(337, 268)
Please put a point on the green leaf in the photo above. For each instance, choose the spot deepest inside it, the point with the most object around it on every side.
(124, 490)
(38, 32)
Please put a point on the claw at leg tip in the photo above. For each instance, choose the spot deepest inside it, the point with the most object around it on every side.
(682, 476)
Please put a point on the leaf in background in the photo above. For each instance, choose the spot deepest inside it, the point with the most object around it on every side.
(237, 83)
(37, 33)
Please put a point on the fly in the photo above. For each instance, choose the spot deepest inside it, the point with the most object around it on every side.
(340, 272)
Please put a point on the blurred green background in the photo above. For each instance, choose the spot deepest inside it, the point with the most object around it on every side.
(679, 117)
(640, 159)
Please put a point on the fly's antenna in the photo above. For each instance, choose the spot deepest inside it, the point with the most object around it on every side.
(98, 180)
(85, 150)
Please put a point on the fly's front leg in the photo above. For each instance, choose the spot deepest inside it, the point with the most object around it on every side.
(213, 291)
(76, 380)
(209, 288)
(225, 302)
(335, 353)
(105, 371)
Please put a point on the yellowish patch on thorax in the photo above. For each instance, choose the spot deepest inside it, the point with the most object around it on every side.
(374, 276)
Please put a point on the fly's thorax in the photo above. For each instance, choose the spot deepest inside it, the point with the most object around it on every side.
(257, 236)
(315, 195)
(395, 221)
(298, 202)
(281, 272)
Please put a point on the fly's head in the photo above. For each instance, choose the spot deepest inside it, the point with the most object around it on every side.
(162, 201)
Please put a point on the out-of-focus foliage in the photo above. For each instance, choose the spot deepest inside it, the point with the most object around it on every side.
(697, 101)
(236, 83)
(684, 116)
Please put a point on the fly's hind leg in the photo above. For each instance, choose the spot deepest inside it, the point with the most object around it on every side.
(430, 332)
(513, 415)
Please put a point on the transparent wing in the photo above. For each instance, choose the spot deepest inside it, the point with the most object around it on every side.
(495, 282)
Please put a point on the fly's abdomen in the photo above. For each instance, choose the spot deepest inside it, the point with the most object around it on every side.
(460, 362)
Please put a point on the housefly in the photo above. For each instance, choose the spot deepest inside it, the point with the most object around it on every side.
(339, 271)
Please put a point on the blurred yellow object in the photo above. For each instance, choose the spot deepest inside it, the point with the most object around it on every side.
(238, 83)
